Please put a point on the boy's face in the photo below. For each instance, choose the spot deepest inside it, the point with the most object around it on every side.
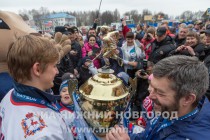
(130, 41)
(65, 97)
(48, 75)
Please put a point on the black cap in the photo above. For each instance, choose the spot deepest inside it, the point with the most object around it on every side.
(207, 31)
(161, 31)
(71, 30)
(85, 59)
(62, 29)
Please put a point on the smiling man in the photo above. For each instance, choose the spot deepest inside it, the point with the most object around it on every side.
(181, 37)
(178, 85)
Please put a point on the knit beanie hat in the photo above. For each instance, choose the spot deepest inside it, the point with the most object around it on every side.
(65, 78)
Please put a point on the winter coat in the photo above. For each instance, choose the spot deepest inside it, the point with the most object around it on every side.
(96, 49)
(195, 127)
(161, 49)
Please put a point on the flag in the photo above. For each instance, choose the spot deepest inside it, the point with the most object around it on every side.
(48, 23)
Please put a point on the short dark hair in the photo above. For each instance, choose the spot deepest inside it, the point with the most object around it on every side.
(130, 35)
(187, 74)
(91, 36)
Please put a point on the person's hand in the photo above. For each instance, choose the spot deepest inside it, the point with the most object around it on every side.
(151, 36)
(190, 50)
(145, 76)
(87, 63)
(123, 22)
(117, 133)
(180, 48)
(96, 20)
(142, 46)
(90, 53)
(73, 52)
(75, 72)
(133, 63)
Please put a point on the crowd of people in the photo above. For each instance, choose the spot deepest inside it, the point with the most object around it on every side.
(172, 71)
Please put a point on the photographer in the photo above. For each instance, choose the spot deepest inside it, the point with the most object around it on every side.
(142, 84)
(147, 40)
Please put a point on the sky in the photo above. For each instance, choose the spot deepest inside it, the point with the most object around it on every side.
(171, 7)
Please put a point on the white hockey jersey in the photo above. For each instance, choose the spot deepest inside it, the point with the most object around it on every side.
(69, 118)
(28, 121)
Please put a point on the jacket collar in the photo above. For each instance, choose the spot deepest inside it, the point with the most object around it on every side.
(175, 128)
(35, 92)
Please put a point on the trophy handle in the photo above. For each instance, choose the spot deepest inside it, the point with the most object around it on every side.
(72, 86)
(133, 86)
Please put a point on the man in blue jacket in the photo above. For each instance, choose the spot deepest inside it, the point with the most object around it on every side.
(178, 86)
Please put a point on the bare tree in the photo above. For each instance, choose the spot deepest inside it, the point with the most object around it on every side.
(160, 16)
(37, 17)
(107, 17)
(135, 16)
(44, 11)
(186, 15)
(24, 17)
(116, 16)
(145, 12)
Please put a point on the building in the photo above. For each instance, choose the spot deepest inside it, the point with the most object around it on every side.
(49, 22)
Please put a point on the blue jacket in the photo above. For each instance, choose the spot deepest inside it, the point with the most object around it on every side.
(195, 127)
(6, 84)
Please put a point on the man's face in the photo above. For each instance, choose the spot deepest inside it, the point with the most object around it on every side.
(197, 27)
(162, 95)
(149, 70)
(92, 32)
(160, 38)
(182, 33)
(130, 41)
(84, 30)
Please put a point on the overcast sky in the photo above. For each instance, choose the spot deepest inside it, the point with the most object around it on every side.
(171, 7)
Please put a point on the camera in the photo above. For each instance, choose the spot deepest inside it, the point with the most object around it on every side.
(143, 73)
(144, 64)
(143, 67)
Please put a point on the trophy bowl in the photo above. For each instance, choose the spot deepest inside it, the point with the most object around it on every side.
(103, 98)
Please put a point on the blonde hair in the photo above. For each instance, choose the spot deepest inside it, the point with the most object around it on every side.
(26, 51)
(203, 38)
